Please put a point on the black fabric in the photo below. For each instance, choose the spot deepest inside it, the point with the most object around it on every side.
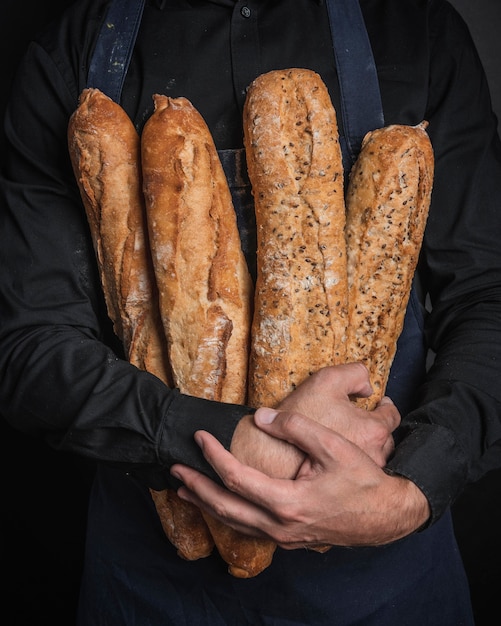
(416, 581)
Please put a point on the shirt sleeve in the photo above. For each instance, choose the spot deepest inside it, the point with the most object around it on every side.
(64, 376)
(446, 441)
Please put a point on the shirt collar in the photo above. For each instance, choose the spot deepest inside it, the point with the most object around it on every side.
(160, 3)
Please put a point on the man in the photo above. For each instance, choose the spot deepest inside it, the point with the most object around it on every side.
(64, 377)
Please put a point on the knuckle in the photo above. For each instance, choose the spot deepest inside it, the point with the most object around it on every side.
(359, 368)
(293, 421)
(326, 373)
(287, 512)
(220, 510)
(232, 480)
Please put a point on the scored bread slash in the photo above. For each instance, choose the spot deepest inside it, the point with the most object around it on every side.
(387, 205)
(295, 168)
(204, 284)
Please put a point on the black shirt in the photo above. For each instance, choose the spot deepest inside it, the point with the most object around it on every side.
(62, 371)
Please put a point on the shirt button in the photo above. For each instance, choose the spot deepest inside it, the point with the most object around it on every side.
(245, 11)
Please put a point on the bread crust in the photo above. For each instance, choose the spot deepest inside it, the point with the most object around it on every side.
(387, 204)
(295, 168)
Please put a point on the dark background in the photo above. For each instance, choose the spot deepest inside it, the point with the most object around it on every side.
(43, 497)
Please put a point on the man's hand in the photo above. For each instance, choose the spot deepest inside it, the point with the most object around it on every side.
(339, 496)
(325, 397)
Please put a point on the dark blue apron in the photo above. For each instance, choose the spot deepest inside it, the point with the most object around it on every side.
(134, 577)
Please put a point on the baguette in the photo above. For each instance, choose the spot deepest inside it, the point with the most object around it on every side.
(387, 204)
(105, 153)
(204, 284)
(295, 168)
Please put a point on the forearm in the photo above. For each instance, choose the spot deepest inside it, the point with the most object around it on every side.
(102, 407)
(63, 384)
(446, 441)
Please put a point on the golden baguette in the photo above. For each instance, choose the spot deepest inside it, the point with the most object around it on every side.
(295, 168)
(105, 153)
(204, 285)
(205, 288)
(387, 203)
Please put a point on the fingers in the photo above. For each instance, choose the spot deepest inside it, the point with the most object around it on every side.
(301, 431)
(333, 383)
(268, 495)
(353, 379)
(371, 432)
(227, 507)
(292, 513)
(375, 431)
(388, 412)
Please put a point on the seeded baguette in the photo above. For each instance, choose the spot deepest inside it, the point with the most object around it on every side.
(205, 288)
(105, 151)
(295, 168)
(387, 204)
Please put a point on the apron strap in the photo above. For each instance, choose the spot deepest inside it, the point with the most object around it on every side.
(114, 45)
(361, 106)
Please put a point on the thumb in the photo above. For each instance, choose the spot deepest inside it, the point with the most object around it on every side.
(309, 436)
(265, 416)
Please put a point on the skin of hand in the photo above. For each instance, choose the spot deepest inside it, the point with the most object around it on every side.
(310, 482)
(339, 495)
(325, 396)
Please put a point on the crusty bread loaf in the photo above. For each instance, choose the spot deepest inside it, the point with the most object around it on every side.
(105, 153)
(204, 284)
(295, 167)
(320, 298)
(388, 199)
(205, 287)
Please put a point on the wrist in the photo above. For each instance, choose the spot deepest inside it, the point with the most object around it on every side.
(255, 448)
(412, 504)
